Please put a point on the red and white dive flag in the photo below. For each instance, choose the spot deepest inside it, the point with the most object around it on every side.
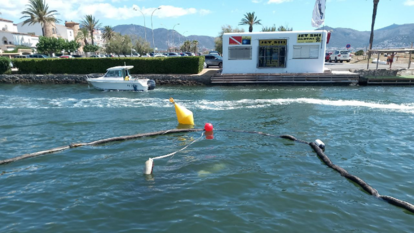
(318, 15)
(235, 40)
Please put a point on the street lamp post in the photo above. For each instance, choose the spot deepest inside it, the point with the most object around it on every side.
(184, 36)
(145, 28)
(152, 28)
(173, 34)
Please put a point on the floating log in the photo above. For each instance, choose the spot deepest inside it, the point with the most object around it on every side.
(365, 186)
(121, 138)
(25, 156)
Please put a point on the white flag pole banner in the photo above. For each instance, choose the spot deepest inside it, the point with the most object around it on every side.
(318, 16)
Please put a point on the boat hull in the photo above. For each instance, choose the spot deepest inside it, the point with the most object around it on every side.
(120, 85)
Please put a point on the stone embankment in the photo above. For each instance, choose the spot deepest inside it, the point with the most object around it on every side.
(160, 79)
(384, 73)
(385, 77)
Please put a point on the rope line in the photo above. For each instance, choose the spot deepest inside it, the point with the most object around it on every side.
(173, 153)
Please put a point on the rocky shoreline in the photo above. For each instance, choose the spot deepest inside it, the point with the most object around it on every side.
(383, 72)
(161, 79)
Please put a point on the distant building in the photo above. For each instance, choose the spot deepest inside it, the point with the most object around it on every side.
(56, 30)
(10, 36)
(73, 26)
(274, 52)
(98, 38)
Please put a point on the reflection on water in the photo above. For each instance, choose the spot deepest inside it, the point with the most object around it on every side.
(214, 169)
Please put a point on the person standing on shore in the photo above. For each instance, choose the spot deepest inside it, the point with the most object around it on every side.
(391, 59)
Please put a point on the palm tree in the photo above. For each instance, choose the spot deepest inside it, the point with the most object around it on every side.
(194, 45)
(250, 19)
(371, 38)
(90, 23)
(37, 11)
(83, 34)
(108, 33)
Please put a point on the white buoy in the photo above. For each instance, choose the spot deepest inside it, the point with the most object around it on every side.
(320, 144)
(149, 164)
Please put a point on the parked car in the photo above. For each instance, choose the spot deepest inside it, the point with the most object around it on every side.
(38, 56)
(159, 55)
(66, 56)
(340, 55)
(327, 56)
(190, 54)
(77, 56)
(22, 56)
(173, 55)
(183, 55)
(213, 60)
(145, 55)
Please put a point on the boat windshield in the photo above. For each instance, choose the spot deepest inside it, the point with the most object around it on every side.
(114, 73)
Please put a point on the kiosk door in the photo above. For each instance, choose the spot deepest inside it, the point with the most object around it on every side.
(272, 54)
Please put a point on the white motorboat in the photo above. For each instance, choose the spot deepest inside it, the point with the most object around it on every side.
(119, 78)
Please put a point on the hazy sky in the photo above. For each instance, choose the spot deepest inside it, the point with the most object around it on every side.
(201, 17)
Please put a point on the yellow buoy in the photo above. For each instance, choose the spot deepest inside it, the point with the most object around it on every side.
(184, 116)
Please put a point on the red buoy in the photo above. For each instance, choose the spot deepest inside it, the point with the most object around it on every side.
(208, 127)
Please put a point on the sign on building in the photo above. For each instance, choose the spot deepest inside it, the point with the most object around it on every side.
(309, 38)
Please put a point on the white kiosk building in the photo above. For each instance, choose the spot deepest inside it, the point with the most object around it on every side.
(274, 52)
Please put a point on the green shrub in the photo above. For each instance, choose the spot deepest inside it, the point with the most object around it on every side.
(90, 48)
(17, 48)
(359, 53)
(4, 65)
(150, 65)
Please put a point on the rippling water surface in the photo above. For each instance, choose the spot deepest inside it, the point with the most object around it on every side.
(237, 182)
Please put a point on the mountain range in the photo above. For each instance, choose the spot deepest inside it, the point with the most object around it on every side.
(393, 36)
(164, 38)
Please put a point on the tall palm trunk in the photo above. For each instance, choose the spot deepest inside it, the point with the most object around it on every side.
(371, 39)
(92, 37)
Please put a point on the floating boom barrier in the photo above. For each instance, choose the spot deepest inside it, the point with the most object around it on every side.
(318, 147)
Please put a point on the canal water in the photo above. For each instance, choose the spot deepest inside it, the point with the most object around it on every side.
(236, 182)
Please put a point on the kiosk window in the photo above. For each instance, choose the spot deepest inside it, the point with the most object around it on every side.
(272, 56)
(305, 52)
(240, 53)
